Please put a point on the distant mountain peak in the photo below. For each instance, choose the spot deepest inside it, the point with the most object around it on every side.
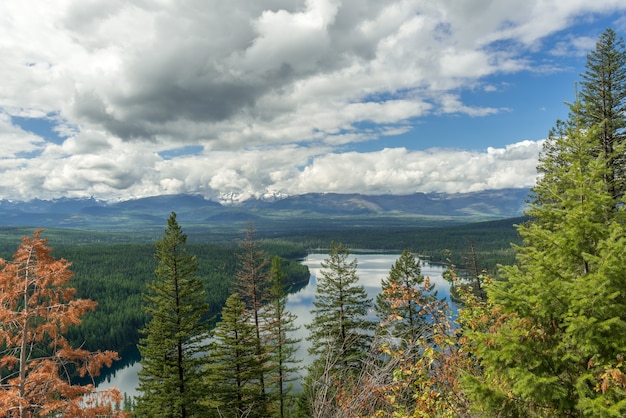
(237, 198)
(195, 209)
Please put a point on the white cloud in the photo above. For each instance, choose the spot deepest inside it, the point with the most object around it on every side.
(273, 91)
(16, 141)
(574, 46)
(452, 104)
(400, 171)
(285, 170)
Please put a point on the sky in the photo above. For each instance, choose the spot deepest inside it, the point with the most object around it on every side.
(230, 99)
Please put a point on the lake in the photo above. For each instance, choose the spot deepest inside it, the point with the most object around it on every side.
(372, 267)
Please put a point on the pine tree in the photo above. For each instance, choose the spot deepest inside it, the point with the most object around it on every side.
(252, 283)
(277, 340)
(401, 299)
(412, 367)
(234, 387)
(473, 276)
(340, 321)
(175, 342)
(251, 277)
(557, 344)
(36, 361)
(603, 95)
(340, 333)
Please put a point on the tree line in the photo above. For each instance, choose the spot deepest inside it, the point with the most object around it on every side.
(243, 367)
(115, 275)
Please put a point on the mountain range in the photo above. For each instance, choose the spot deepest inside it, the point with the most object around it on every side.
(314, 208)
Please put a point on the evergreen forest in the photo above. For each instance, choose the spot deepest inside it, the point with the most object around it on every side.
(540, 331)
(115, 269)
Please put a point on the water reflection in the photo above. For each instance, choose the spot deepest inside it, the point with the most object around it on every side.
(371, 269)
(125, 379)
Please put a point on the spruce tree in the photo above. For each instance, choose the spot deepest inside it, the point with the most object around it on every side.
(339, 333)
(557, 344)
(234, 387)
(603, 95)
(278, 341)
(175, 339)
(401, 299)
(340, 327)
(408, 370)
(252, 283)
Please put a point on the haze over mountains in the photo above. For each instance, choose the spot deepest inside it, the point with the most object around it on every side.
(194, 209)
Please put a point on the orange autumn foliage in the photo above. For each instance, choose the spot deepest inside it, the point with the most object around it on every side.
(36, 361)
(411, 378)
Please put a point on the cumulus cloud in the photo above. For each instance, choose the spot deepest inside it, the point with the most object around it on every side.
(232, 176)
(400, 171)
(274, 92)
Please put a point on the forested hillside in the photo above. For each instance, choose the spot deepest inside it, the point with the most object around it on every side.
(113, 270)
(490, 240)
(115, 275)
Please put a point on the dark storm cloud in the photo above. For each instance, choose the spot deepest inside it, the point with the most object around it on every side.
(205, 63)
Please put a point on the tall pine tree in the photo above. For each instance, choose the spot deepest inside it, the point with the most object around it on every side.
(233, 376)
(175, 339)
(252, 283)
(279, 341)
(340, 332)
(557, 345)
(603, 95)
(340, 321)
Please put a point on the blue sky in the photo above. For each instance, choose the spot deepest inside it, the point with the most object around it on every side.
(123, 99)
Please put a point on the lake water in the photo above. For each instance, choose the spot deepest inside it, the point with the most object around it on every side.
(371, 269)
